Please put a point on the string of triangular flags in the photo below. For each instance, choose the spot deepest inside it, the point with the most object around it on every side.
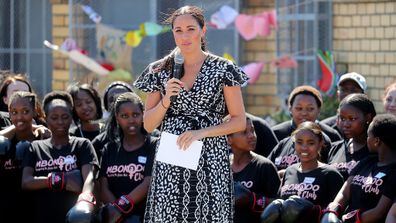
(249, 27)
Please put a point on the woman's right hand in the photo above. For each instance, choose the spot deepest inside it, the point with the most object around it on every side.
(172, 88)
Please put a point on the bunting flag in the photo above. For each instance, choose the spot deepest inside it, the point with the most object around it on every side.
(229, 57)
(95, 17)
(79, 58)
(328, 82)
(253, 71)
(112, 47)
(223, 17)
(284, 62)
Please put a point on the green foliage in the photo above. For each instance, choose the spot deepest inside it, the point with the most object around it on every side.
(329, 106)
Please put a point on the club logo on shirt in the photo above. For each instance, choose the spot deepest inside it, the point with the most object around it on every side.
(345, 166)
(304, 190)
(10, 165)
(247, 184)
(368, 184)
(63, 163)
(282, 162)
(134, 171)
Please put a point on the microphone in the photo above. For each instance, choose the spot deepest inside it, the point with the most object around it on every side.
(177, 68)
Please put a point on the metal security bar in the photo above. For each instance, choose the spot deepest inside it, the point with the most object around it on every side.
(24, 24)
(305, 26)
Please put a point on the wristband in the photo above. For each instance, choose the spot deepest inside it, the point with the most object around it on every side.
(337, 210)
(56, 181)
(259, 204)
(125, 204)
(162, 103)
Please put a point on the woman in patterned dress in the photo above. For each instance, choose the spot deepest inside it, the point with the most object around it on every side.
(209, 89)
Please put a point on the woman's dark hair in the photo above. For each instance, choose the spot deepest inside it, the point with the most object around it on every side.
(306, 90)
(73, 91)
(361, 102)
(111, 86)
(61, 95)
(383, 126)
(11, 78)
(31, 97)
(309, 126)
(198, 15)
(114, 132)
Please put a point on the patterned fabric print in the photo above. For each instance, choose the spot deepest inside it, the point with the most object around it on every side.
(183, 195)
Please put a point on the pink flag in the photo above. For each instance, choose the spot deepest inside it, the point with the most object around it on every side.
(284, 62)
(245, 26)
(253, 71)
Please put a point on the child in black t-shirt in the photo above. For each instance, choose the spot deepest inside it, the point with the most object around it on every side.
(21, 106)
(369, 191)
(355, 113)
(256, 176)
(57, 169)
(127, 161)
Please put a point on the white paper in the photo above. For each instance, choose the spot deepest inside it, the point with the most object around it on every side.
(169, 152)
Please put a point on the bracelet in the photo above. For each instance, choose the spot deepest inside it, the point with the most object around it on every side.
(162, 103)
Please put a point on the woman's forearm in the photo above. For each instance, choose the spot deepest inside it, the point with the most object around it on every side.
(235, 124)
(155, 111)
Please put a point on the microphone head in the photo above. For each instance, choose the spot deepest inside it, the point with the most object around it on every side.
(179, 59)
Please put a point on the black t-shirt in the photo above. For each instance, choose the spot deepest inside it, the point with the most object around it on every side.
(344, 161)
(50, 206)
(11, 193)
(126, 170)
(259, 176)
(284, 154)
(99, 142)
(369, 182)
(266, 139)
(320, 186)
(285, 129)
(75, 131)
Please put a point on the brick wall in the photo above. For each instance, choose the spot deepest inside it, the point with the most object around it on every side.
(260, 98)
(364, 41)
(60, 31)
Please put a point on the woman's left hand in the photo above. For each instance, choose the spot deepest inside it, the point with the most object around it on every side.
(185, 139)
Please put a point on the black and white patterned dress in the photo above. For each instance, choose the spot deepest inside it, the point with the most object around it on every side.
(182, 195)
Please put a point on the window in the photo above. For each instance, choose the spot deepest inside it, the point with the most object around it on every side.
(23, 26)
(305, 26)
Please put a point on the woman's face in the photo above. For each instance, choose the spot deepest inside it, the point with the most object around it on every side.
(390, 101)
(130, 118)
(351, 121)
(59, 119)
(304, 108)
(21, 114)
(13, 87)
(85, 106)
(307, 146)
(187, 33)
(244, 140)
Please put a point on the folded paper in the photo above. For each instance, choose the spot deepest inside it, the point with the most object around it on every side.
(169, 152)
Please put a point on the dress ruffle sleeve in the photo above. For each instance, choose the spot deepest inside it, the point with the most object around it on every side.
(235, 76)
(149, 79)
